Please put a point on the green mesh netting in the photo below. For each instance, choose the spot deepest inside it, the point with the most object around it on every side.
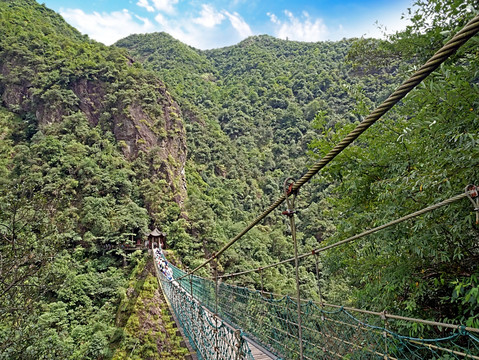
(210, 338)
(327, 332)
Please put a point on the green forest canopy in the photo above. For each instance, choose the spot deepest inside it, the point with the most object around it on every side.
(254, 114)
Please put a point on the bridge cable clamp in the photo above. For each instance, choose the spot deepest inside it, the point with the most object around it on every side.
(288, 190)
(289, 212)
(472, 192)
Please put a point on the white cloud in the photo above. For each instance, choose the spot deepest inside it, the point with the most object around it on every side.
(145, 4)
(209, 17)
(234, 3)
(160, 19)
(206, 28)
(239, 24)
(107, 27)
(274, 19)
(207, 31)
(186, 31)
(166, 6)
(300, 29)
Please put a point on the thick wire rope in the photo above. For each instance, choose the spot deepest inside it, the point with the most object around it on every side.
(357, 236)
(471, 28)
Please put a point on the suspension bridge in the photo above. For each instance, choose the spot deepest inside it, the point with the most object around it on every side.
(224, 321)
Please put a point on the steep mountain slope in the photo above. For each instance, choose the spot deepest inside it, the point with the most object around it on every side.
(92, 153)
(264, 93)
(50, 72)
(251, 112)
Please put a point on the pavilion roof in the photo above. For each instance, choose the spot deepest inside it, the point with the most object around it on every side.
(156, 233)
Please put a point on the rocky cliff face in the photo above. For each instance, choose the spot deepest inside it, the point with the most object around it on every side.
(111, 92)
(155, 129)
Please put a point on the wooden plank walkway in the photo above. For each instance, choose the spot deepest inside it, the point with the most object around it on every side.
(259, 354)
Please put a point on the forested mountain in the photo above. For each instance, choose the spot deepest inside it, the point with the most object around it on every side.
(250, 113)
(98, 144)
(283, 104)
(92, 154)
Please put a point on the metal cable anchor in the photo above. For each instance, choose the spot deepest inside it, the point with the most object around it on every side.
(472, 192)
(288, 190)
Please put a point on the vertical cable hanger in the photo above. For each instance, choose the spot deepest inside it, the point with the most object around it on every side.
(289, 212)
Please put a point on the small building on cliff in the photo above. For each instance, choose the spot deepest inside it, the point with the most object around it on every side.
(156, 238)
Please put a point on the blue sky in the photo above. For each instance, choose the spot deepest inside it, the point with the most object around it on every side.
(207, 24)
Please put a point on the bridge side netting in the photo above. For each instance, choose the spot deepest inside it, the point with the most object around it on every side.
(328, 332)
(210, 338)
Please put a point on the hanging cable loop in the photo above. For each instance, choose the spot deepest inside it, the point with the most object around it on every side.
(472, 192)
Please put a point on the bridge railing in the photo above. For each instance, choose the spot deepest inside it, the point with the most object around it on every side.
(209, 336)
(330, 331)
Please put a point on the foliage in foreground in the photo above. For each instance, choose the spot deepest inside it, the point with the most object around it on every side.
(425, 151)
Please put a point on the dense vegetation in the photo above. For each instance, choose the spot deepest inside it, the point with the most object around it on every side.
(92, 151)
(425, 151)
(73, 183)
(276, 101)
(250, 115)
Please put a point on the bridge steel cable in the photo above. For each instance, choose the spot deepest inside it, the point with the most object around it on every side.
(355, 237)
(471, 29)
